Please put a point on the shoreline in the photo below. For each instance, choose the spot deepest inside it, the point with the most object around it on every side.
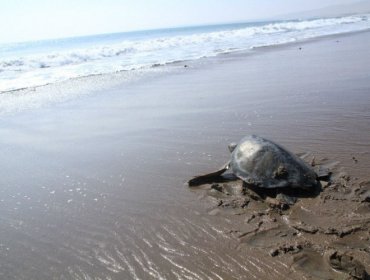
(181, 63)
(93, 186)
(17, 101)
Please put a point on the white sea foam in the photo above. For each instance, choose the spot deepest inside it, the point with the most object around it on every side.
(49, 65)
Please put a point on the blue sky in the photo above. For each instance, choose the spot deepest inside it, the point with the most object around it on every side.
(23, 20)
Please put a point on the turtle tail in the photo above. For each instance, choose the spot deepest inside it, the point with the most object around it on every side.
(208, 178)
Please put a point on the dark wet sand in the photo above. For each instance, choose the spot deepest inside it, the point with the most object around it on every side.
(93, 188)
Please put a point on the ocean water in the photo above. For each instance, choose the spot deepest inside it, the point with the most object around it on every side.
(31, 64)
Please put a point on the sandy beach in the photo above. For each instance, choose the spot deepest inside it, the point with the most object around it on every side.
(94, 187)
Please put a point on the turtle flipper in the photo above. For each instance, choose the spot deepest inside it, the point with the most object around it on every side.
(208, 178)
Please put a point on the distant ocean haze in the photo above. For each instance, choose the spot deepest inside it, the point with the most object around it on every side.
(30, 64)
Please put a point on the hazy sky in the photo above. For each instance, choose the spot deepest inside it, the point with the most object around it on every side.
(22, 20)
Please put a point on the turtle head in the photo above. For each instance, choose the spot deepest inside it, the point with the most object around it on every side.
(232, 146)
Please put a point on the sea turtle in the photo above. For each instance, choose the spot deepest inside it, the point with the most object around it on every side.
(262, 163)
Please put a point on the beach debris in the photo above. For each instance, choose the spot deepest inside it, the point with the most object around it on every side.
(262, 163)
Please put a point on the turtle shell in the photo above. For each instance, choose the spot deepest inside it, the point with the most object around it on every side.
(262, 163)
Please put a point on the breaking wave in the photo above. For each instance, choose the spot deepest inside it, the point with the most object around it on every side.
(19, 69)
